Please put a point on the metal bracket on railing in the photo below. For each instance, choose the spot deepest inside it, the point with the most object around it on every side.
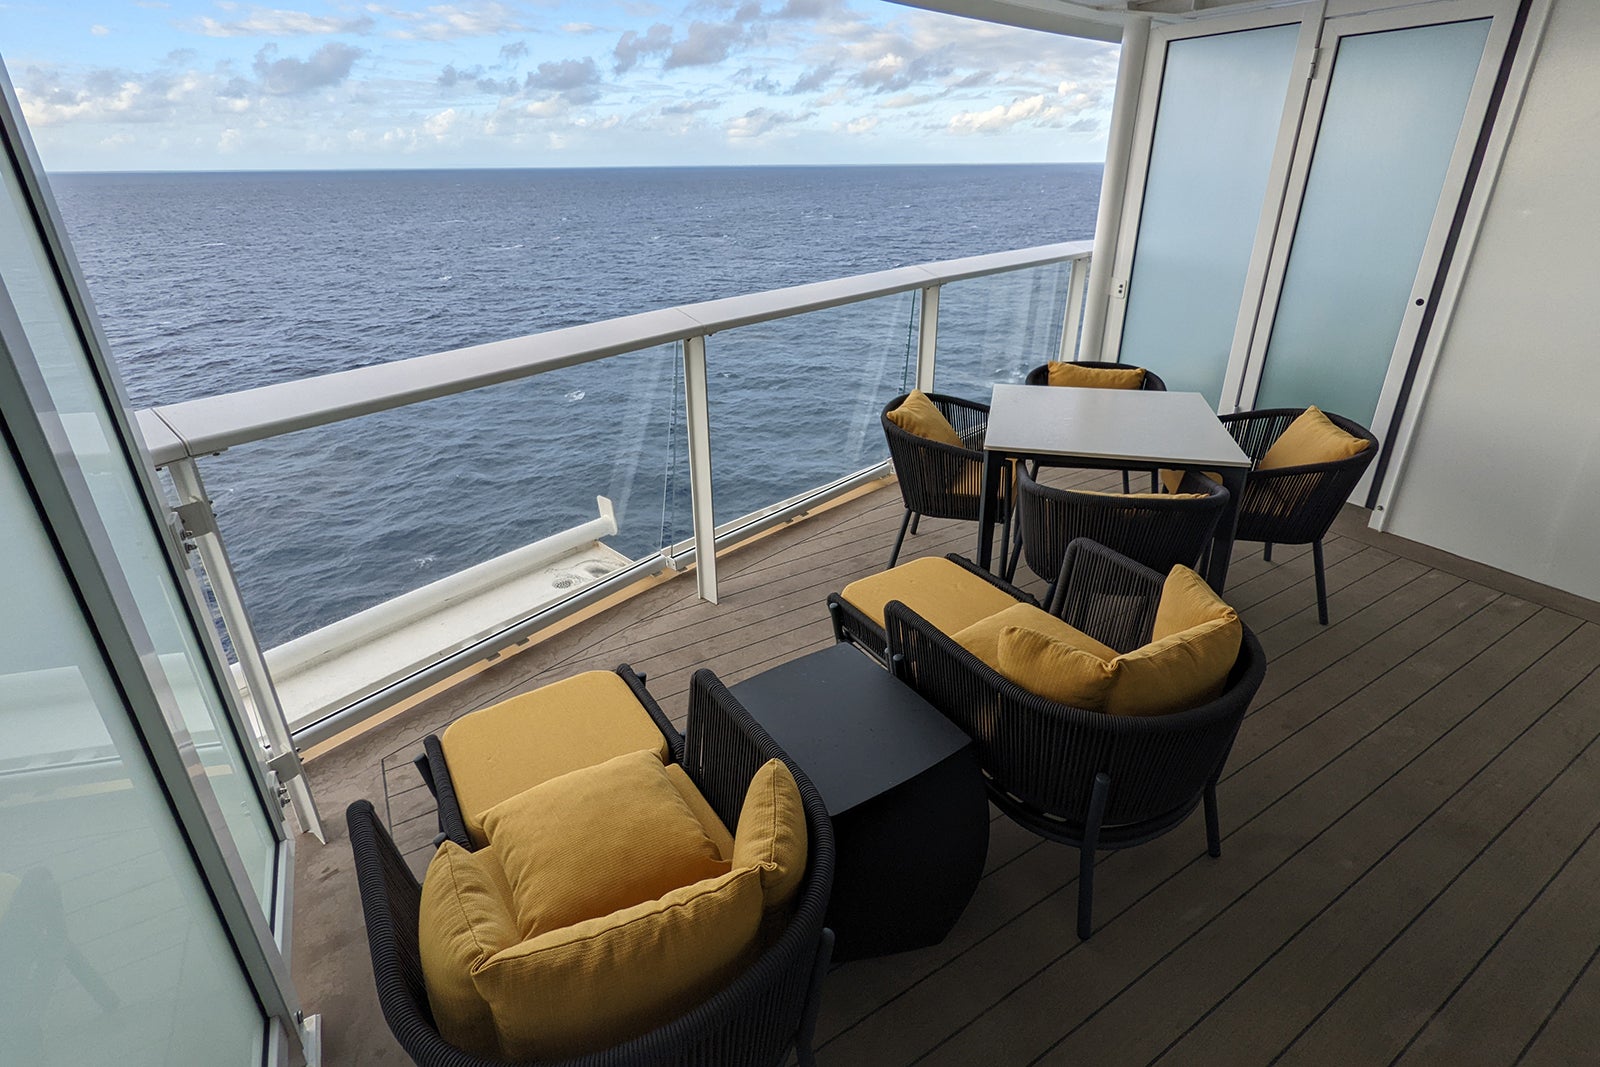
(200, 528)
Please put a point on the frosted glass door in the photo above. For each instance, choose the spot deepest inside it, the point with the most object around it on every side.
(1394, 112)
(1217, 123)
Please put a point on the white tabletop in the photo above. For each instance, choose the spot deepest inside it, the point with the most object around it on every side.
(1178, 429)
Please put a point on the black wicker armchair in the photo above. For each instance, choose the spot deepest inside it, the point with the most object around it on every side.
(938, 480)
(758, 1018)
(1040, 375)
(1157, 530)
(1295, 505)
(1084, 778)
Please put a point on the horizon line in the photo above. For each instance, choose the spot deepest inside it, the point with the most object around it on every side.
(533, 167)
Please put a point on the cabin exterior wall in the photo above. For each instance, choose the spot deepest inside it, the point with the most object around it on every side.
(1504, 464)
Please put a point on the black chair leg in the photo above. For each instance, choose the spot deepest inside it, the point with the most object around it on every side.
(1091, 840)
(1266, 551)
(1010, 572)
(916, 520)
(900, 539)
(424, 768)
(1213, 830)
(1125, 489)
(803, 1040)
(1322, 583)
(1155, 481)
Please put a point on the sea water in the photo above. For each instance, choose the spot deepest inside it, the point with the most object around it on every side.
(214, 283)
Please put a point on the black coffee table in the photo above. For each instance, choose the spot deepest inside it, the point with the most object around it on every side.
(910, 816)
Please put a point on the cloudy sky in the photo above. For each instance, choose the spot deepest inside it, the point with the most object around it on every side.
(218, 84)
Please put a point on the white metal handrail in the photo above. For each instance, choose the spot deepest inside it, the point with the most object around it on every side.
(177, 434)
(213, 424)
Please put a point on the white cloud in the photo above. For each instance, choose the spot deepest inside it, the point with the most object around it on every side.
(1004, 117)
(276, 22)
(761, 121)
(864, 124)
(449, 22)
(99, 30)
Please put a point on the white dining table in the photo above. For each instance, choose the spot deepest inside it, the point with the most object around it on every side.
(1112, 429)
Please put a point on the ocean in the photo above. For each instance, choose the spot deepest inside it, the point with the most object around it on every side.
(211, 283)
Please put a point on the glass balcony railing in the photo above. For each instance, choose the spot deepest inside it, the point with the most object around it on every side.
(379, 529)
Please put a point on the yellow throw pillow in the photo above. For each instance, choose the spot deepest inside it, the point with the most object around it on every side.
(1186, 600)
(597, 840)
(1081, 377)
(464, 918)
(1176, 673)
(982, 638)
(919, 415)
(1311, 438)
(1055, 670)
(715, 830)
(771, 835)
(604, 981)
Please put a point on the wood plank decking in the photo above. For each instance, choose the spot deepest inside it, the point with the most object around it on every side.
(1411, 822)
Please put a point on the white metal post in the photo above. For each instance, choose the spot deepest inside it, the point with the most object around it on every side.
(200, 527)
(698, 418)
(927, 337)
(1073, 319)
(1113, 183)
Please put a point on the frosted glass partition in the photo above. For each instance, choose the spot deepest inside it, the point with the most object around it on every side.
(1216, 128)
(794, 403)
(1395, 105)
(994, 330)
(98, 890)
(121, 506)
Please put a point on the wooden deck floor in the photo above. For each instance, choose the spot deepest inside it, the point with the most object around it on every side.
(1410, 823)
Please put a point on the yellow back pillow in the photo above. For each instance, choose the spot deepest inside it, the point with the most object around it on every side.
(1081, 377)
(1311, 438)
(919, 415)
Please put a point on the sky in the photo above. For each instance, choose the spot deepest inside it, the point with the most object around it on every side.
(224, 85)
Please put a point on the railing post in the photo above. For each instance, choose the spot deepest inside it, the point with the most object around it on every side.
(697, 416)
(200, 527)
(927, 337)
(1073, 319)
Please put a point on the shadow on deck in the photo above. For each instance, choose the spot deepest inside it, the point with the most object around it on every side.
(1410, 822)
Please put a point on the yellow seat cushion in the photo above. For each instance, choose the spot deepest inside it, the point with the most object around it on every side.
(464, 918)
(948, 596)
(577, 722)
(982, 638)
(1081, 377)
(771, 835)
(1194, 644)
(1311, 438)
(609, 979)
(713, 826)
(597, 840)
(921, 416)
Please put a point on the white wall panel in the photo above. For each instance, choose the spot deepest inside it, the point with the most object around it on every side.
(1504, 467)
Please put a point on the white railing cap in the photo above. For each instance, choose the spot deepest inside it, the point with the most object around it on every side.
(215, 423)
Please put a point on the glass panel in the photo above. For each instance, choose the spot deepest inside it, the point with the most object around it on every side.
(1394, 112)
(123, 511)
(334, 521)
(110, 950)
(1221, 104)
(996, 329)
(794, 403)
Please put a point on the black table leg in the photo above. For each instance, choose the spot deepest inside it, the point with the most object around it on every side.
(987, 505)
(1233, 479)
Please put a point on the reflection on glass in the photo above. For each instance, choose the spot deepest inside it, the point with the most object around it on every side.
(121, 508)
(994, 330)
(794, 403)
(1216, 129)
(1394, 111)
(110, 950)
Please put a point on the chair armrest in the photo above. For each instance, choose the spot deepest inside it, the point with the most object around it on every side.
(451, 821)
(1107, 595)
(668, 731)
